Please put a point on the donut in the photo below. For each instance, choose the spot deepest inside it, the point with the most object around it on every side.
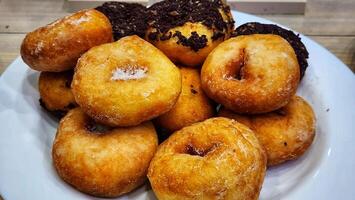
(192, 105)
(102, 161)
(126, 82)
(187, 30)
(57, 46)
(126, 18)
(286, 134)
(218, 158)
(294, 40)
(252, 73)
(55, 92)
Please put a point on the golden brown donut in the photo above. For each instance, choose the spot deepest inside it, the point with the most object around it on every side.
(55, 92)
(215, 159)
(251, 74)
(285, 133)
(57, 46)
(192, 105)
(126, 82)
(187, 30)
(101, 161)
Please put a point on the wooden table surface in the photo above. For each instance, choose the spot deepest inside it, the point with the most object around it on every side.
(329, 22)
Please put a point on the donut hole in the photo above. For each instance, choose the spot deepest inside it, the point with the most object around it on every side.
(97, 128)
(192, 150)
(235, 69)
(129, 72)
(281, 112)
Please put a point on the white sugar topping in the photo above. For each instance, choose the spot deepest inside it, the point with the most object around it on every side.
(130, 73)
(82, 19)
(38, 49)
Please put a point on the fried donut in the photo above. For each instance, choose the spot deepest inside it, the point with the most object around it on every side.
(187, 30)
(294, 40)
(251, 74)
(192, 105)
(285, 133)
(215, 159)
(126, 82)
(57, 46)
(55, 92)
(101, 161)
(126, 18)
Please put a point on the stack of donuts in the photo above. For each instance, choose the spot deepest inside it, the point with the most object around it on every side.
(221, 101)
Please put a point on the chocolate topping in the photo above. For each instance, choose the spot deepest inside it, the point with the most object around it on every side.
(195, 42)
(169, 14)
(291, 37)
(126, 18)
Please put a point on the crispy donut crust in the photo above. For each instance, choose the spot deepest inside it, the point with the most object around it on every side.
(251, 74)
(105, 164)
(286, 133)
(125, 102)
(57, 46)
(192, 105)
(215, 159)
(55, 92)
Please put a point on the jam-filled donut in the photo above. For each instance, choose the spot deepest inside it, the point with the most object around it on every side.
(215, 159)
(126, 82)
(126, 18)
(294, 40)
(192, 105)
(252, 73)
(101, 161)
(55, 92)
(285, 133)
(57, 46)
(187, 30)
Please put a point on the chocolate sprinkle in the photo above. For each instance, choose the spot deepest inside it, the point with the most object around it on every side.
(193, 91)
(168, 14)
(126, 18)
(195, 42)
(294, 40)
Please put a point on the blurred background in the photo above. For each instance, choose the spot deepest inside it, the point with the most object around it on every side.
(329, 22)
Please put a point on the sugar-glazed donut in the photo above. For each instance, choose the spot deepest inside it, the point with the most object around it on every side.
(126, 82)
(218, 158)
(192, 105)
(102, 161)
(57, 46)
(55, 93)
(286, 133)
(252, 73)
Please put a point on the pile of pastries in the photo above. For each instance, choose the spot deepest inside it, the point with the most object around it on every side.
(173, 93)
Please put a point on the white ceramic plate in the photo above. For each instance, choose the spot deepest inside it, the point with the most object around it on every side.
(324, 172)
